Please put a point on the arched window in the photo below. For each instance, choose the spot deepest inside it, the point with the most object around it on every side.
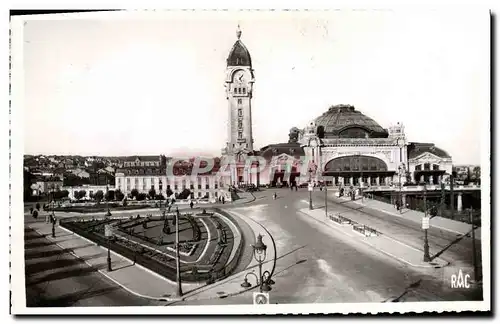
(356, 164)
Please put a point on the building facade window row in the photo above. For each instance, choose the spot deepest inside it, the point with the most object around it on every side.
(198, 186)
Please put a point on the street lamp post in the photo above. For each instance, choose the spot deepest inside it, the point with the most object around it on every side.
(310, 188)
(427, 257)
(401, 170)
(326, 197)
(108, 213)
(177, 256)
(53, 216)
(473, 235)
(108, 233)
(160, 186)
(264, 279)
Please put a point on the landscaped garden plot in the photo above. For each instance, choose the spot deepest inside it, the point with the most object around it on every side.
(205, 242)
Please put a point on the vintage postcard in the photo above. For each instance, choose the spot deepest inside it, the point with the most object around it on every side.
(250, 162)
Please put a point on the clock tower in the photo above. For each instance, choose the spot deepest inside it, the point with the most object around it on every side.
(239, 88)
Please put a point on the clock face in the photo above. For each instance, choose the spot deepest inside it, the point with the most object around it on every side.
(240, 77)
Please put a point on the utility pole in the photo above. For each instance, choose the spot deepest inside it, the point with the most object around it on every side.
(473, 245)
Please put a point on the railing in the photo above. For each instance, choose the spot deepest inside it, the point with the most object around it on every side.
(421, 188)
(188, 273)
(363, 229)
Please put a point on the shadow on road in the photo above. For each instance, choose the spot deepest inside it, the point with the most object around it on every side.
(67, 299)
(458, 239)
(61, 275)
(399, 298)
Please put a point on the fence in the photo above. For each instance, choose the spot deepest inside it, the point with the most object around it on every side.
(363, 229)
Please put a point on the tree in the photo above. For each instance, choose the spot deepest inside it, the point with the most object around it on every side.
(134, 193)
(76, 195)
(477, 173)
(64, 193)
(91, 195)
(110, 195)
(82, 193)
(119, 195)
(160, 197)
(152, 193)
(141, 196)
(98, 195)
(169, 192)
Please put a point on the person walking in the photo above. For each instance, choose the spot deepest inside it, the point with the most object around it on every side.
(191, 204)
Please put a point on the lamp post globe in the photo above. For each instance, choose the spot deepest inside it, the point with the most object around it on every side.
(245, 283)
(259, 249)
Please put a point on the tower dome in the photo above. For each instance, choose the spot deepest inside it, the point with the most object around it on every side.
(239, 55)
(346, 122)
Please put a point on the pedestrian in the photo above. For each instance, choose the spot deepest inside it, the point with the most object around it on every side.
(223, 200)
(191, 204)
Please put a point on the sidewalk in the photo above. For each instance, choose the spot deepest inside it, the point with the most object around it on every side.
(382, 243)
(141, 281)
(416, 216)
(232, 285)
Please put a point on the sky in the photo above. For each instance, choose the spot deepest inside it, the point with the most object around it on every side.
(154, 83)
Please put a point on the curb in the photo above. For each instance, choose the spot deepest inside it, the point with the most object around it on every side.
(378, 249)
(166, 299)
(400, 215)
(243, 217)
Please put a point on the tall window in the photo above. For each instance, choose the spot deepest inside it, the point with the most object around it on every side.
(244, 90)
(240, 134)
(240, 112)
(239, 101)
(435, 167)
(418, 167)
(427, 167)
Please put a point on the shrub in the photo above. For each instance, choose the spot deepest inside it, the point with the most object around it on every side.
(119, 195)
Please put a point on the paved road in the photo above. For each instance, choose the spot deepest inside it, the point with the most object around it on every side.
(450, 246)
(55, 278)
(318, 264)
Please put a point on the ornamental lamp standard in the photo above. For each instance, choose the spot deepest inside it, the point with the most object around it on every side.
(310, 188)
(53, 216)
(177, 256)
(108, 213)
(264, 280)
(401, 171)
(425, 226)
(160, 186)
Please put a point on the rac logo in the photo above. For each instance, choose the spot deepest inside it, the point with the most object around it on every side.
(460, 280)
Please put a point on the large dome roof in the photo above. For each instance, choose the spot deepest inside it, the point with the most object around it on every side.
(345, 121)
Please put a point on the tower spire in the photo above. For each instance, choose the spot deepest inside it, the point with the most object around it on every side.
(238, 32)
